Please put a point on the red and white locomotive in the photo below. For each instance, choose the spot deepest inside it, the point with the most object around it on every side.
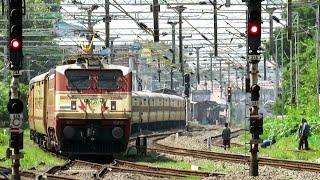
(82, 107)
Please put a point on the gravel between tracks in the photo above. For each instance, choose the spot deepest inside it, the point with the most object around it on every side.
(127, 176)
(233, 170)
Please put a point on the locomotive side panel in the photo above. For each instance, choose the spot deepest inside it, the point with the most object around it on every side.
(31, 107)
(50, 110)
(39, 109)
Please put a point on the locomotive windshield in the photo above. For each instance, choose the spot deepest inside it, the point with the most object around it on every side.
(78, 79)
(109, 79)
(86, 79)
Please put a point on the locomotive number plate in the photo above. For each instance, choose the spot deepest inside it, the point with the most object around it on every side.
(254, 57)
(94, 101)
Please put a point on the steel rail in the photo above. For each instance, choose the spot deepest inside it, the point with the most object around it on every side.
(39, 176)
(287, 164)
(125, 166)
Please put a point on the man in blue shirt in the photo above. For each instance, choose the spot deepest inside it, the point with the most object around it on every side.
(267, 142)
(304, 131)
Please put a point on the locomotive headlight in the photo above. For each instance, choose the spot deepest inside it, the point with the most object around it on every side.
(117, 132)
(69, 132)
(113, 105)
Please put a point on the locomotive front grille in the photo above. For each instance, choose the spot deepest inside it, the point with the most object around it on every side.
(94, 136)
(97, 147)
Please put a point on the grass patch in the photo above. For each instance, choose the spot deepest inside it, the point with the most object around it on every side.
(158, 160)
(33, 155)
(286, 148)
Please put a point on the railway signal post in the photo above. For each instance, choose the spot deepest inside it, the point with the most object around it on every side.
(254, 43)
(187, 95)
(15, 105)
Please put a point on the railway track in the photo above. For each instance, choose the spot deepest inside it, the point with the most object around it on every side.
(134, 137)
(238, 158)
(98, 171)
(217, 141)
(163, 171)
(30, 174)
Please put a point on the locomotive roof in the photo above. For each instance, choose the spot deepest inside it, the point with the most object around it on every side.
(38, 78)
(63, 68)
(154, 94)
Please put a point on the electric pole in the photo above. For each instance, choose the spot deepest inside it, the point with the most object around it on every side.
(211, 71)
(180, 9)
(107, 23)
(271, 51)
(215, 32)
(173, 47)
(229, 95)
(198, 64)
(155, 8)
(289, 37)
(111, 39)
(318, 56)
(89, 48)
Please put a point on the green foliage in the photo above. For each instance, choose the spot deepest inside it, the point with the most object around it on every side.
(285, 131)
(305, 103)
(33, 155)
(4, 97)
(277, 107)
(37, 24)
(285, 148)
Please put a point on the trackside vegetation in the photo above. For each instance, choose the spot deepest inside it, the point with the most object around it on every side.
(34, 157)
(159, 160)
(295, 103)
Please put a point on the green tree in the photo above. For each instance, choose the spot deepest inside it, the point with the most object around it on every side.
(38, 46)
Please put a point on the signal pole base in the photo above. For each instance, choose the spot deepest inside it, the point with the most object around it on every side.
(254, 166)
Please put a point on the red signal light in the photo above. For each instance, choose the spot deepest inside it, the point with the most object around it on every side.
(254, 29)
(15, 44)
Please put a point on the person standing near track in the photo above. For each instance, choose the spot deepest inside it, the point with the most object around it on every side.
(304, 132)
(226, 136)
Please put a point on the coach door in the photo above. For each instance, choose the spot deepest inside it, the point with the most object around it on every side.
(45, 101)
(50, 99)
(31, 106)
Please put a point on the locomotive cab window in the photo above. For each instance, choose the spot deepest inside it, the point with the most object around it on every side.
(109, 79)
(85, 79)
(78, 79)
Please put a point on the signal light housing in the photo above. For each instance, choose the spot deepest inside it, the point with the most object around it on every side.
(229, 93)
(254, 29)
(15, 13)
(15, 44)
(255, 92)
(15, 106)
(254, 26)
